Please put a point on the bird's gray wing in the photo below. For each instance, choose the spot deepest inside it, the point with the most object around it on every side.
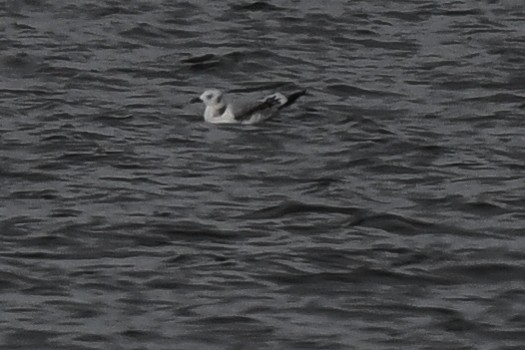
(245, 111)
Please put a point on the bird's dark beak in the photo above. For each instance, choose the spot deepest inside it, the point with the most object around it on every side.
(195, 100)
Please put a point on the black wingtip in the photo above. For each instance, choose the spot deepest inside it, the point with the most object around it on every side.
(293, 97)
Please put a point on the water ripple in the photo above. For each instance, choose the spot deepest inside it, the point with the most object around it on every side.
(385, 210)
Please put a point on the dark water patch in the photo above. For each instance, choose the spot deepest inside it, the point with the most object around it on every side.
(477, 119)
(418, 258)
(52, 241)
(243, 327)
(291, 208)
(181, 13)
(20, 62)
(137, 180)
(30, 176)
(58, 71)
(439, 64)
(100, 78)
(460, 13)
(203, 62)
(23, 338)
(77, 157)
(252, 86)
(372, 275)
(483, 272)
(59, 139)
(93, 338)
(329, 258)
(60, 57)
(193, 231)
(143, 31)
(10, 281)
(6, 285)
(390, 169)
(15, 226)
(181, 140)
(249, 60)
(413, 16)
(140, 335)
(98, 12)
(178, 33)
(348, 90)
(515, 82)
(407, 226)
(76, 251)
(151, 241)
(394, 46)
(229, 320)
(52, 166)
(316, 344)
(41, 194)
(256, 6)
(23, 27)
(312, 282)
(200, 59)
(32, 92)
(484, 208)
(365, 32)
(498, 98)
(316, 185)
(65, 213)
(509, 54)
(163, 283)
(393, 307)
(457, 323)
(46, 288)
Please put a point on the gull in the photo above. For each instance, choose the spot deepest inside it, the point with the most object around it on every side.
(218, 110)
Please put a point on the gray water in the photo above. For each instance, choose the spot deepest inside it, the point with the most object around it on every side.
(385, 210)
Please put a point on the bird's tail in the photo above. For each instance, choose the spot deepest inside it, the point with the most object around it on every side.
(292, 98)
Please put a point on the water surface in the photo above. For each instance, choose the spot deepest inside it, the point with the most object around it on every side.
(384, 211)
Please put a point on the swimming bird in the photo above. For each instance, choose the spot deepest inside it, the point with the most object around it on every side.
(219, 110)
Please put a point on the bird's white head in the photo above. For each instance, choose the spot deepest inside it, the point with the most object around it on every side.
(212, 98)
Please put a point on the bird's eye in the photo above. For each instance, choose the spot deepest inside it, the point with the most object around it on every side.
(209, 96)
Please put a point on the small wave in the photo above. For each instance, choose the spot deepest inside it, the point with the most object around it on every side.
(193, 231)
(407, 226)
(292, 207)
(482, 272)
(348, 90)
(256, 6)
